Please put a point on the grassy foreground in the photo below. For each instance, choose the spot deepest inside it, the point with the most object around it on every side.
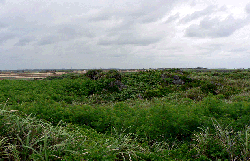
(151, 115)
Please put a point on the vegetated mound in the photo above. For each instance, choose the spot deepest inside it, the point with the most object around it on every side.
(109, 86)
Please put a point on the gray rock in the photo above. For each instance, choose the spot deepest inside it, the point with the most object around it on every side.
(178, 82)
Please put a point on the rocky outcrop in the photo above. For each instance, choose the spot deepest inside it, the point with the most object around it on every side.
(177, 80)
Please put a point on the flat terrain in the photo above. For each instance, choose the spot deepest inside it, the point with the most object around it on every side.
(29, 75)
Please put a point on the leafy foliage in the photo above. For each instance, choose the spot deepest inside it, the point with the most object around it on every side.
(146, 115)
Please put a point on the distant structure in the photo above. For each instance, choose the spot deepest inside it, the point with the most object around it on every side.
(200, 68)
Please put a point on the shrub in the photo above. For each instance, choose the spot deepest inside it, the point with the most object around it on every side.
(194, 94)
(94, 74)
(113, 74)
(223, 143)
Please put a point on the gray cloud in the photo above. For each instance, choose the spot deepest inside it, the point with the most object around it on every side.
(173, 18)
(27, 22)
(67, 33)
(238, 50)
(215, 46)
(99, 18)
(209, 48)
(172, 49)
(193, 3)
(24, 41)
(47, 40)
(2, 25)
(6, 36)
(20, 26)
(146, 13)
(129, 39)
(126, 26)
(121, 33)
(207, 11)
(214, 28)
(223, 8)
(143, 12)
(63, 33)
(137, 42)
(128, 31)
(207, 23)
(248, 8)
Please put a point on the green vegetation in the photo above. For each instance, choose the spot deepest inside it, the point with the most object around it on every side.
(147, 115)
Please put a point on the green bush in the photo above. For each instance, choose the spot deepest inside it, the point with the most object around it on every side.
(160, 114)
(94, 74)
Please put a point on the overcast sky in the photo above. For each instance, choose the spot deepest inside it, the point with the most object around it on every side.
(124, 34)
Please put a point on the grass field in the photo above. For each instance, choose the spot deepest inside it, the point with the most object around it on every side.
(147, 115)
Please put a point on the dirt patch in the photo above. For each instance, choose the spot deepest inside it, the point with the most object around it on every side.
(29, 75)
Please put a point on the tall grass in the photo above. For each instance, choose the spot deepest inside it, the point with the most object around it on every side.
(31, 139)
(27, 138)
(223, 143)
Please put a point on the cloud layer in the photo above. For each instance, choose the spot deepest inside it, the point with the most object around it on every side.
(215, 28)
(123, 34)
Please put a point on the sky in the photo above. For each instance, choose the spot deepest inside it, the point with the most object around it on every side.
(84, 34)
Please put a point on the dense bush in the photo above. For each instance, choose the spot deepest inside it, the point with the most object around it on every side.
(165, 112)
(94, 74)
(27, 138)
(114, 86)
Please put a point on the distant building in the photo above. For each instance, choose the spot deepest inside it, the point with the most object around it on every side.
(200, 68)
